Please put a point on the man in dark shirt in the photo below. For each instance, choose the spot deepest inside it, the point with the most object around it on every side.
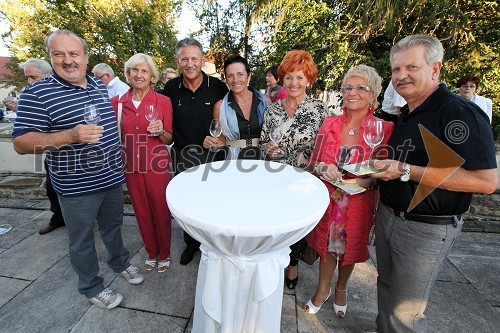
(443, 152)
(193, 95)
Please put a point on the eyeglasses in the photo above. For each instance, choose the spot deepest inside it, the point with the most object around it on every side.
(465, 86)
(100, 77)
(358, 88)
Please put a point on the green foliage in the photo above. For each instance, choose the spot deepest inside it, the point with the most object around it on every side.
(343, 33)
(114, 29)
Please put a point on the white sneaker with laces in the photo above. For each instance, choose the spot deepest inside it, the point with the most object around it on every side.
(132, 275)
(107, 299)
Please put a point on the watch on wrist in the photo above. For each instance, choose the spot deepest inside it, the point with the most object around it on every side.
(162, 132)
(405, 176)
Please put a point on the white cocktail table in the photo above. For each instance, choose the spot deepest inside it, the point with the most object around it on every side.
(246, 214)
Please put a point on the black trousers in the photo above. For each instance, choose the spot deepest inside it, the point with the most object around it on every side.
(57, 219)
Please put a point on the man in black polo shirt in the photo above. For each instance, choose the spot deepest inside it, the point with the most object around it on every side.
(443, 152)
(193, 95)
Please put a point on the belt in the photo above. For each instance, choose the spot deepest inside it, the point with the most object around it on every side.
(243, 143)
(429, 219)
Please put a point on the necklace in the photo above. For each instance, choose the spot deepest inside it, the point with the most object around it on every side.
(352, 131)
(288, 105)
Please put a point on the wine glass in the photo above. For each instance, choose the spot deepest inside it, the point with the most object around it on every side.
(215, 131)
(344, 156)
(91, 114)
(276, 134)
(151, 115)
(373, 134)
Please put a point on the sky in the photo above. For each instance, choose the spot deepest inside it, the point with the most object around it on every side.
(186, 25)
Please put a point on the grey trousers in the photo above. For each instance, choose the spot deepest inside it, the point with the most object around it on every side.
(409, 256)
(80, 214)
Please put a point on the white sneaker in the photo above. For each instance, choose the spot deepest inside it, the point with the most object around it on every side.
(132, 275)
(107, 299)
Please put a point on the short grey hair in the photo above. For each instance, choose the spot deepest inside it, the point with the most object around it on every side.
(69, 33)
(370, 75)
(41, 65)
(434, 49)
(188, 42)
(104, 69)
(141, 58)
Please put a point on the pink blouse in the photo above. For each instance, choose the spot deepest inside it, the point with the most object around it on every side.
(361, 208)
(142, 152)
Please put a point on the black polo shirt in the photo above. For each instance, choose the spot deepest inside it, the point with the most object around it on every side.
(192, 115)
(459, 124)
(193, 111)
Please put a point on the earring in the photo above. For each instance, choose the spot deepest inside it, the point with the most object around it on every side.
(371, 105)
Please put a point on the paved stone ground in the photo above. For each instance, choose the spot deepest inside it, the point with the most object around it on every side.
(38, 286)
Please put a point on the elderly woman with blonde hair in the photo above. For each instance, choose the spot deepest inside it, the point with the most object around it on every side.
(145, 123)
(341, 236)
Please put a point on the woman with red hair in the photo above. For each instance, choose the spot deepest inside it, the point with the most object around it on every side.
(299, 117)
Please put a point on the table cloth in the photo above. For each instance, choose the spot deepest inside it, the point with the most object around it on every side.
(245, 213)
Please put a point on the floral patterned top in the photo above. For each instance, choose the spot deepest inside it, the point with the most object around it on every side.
(299, 132)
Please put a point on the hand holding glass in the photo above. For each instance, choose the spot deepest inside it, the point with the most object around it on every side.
(151, 115)
(374, 134)
(276, 134)
(344, 156)
(215, 132)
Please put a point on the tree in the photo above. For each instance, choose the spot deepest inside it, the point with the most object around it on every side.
(340, 34)
(113, 29)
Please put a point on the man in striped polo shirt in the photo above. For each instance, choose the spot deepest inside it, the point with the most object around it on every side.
(85, 162)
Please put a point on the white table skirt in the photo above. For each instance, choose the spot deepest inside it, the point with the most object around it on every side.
(246, 221)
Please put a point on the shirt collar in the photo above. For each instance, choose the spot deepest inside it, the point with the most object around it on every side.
(432, 102)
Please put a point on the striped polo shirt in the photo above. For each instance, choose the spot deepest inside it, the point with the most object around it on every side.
(53, 105)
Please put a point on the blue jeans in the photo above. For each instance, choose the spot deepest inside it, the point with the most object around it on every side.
(80, 213)
(409, 256)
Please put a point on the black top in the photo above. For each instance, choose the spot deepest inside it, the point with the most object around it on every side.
(193, 111)
(459, 124)
(248, 128)
(192, 115)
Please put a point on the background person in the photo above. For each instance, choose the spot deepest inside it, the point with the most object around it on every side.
(147, 176)
(35, 70)
(10, 101)
(300, 117)
(113, 83)
(391, 104)
(50, 119)
(467, 86)
(193, 97)
(240, 112)
(341, 235)
(168, 74)
(274, 92)
(413, 239)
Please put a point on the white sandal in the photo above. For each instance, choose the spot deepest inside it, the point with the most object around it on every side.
(312, 309)
(150, 264)
(163, 265)
(340, 310)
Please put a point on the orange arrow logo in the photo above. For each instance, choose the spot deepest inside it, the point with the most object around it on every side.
(441, 157)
